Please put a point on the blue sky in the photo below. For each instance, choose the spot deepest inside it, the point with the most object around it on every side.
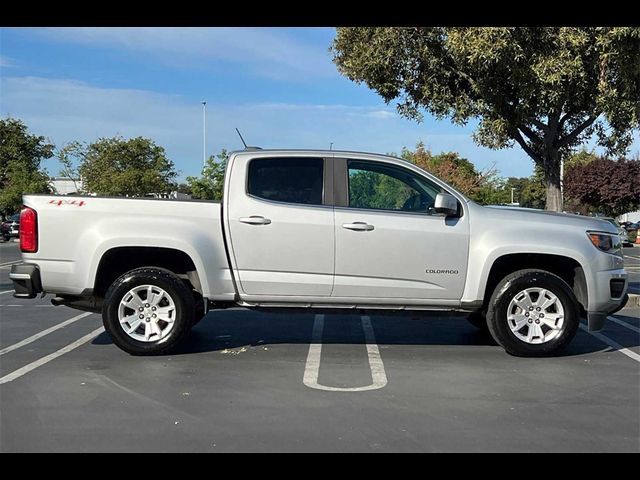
(278, 85)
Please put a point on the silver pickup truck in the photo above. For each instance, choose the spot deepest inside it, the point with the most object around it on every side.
(320, 230)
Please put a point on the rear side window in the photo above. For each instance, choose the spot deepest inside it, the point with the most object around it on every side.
(291, 180)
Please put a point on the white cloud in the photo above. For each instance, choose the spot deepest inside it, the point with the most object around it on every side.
(264, 51)
(6, 62)
(65, 110)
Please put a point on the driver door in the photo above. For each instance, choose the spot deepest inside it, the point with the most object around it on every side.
(389, 241)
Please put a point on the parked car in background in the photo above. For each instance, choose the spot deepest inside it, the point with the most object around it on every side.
(10, 228)
(630, 226)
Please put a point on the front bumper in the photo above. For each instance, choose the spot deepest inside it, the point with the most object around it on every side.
(26, 280)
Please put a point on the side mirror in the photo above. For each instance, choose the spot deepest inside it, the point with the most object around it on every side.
(446, 204)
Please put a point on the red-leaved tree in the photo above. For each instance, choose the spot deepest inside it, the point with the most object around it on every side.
(605, 186)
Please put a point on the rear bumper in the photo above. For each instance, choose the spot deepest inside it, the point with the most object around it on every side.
(26, 280)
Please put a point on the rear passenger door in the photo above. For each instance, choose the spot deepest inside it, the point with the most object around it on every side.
(280, 223)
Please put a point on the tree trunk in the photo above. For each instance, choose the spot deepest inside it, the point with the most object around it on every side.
(551, 169)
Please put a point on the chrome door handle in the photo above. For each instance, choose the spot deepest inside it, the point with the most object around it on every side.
(255, 220)
(358, 226)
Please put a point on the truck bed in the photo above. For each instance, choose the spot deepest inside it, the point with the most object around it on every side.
(75, 232)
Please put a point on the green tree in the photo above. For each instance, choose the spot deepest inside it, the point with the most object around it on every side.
(20, 156)
(66, 156)
(581, 157)
(484, 187)
(209, 185)
(533, 193)
(116, 166)
(546, 89)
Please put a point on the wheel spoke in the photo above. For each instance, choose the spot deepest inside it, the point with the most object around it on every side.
(551, 319)
(546, 299)
(135, 302)
(164, 313)
(530, 334)
(539, 333)
(134, 325)
(155, 328)
(524, 302)
(520, 321)
(150, 295)
(129, 319)
(147, 330)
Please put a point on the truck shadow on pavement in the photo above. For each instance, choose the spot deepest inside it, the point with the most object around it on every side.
(237, 328)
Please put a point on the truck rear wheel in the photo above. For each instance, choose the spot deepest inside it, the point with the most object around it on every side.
(148, 311)
(533, 313)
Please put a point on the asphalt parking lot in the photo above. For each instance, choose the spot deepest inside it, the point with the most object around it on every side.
(252, 381)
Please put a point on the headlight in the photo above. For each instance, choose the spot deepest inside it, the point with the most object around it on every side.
(606, 242)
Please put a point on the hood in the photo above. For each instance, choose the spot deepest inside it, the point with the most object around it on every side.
(521, 214)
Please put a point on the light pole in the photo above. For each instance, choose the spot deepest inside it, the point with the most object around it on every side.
(331, 146)
(512, 189)
(204, 134)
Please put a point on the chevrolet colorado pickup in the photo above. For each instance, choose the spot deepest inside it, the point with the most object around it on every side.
(320, 230)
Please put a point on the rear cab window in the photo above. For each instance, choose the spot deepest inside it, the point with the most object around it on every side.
(296, 180)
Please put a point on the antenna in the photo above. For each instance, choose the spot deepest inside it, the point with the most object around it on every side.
(246, 147)
(242, 139)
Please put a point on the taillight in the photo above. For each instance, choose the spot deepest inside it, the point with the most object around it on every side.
(28, 230)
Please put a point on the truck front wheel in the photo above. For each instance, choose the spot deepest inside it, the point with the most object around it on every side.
(148, 311)
(533, 313)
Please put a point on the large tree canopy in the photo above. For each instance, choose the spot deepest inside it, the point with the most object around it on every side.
(546, 89)
(116, 166)
(20, 156)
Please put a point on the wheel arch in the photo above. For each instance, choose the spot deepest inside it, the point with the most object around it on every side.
(118, 260)
(567, 268)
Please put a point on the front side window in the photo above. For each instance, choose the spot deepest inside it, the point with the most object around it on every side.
(291, 180)
(381, 186)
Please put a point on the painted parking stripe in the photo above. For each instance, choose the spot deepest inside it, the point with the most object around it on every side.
(6, 291)
(13, 262)
(612, 343)
(58, 353)
(624, 324)
(35, 337)
(312, 368)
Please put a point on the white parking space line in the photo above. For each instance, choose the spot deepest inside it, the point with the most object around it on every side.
(35, 337)
(612, 343)
(38, 363)
(312, 368)
(6, 291)
(624, 324)
(13, 262)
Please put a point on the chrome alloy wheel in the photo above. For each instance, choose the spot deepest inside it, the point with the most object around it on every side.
(147, 313)
(535, 315)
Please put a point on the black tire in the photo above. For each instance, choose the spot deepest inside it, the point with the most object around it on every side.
(515, 283)
(479, 320)
(175, 288)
